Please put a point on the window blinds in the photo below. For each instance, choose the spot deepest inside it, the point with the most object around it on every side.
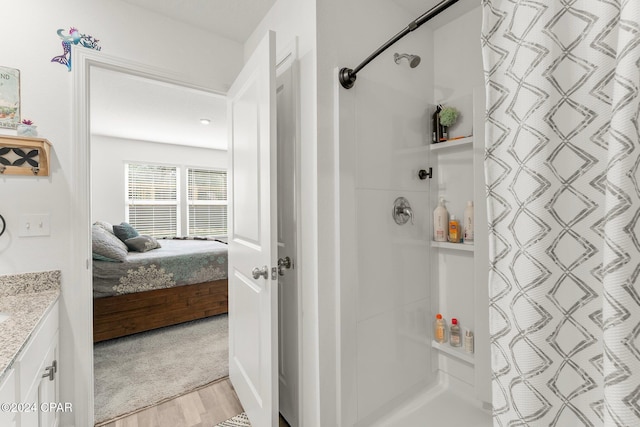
(207, 199)
(152, 199)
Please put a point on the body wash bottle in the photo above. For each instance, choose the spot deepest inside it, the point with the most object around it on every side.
(440, 222)
(454, 230)
(440, 329)
(435, 124)
(455, 336)
(468, 223)
(468, 341)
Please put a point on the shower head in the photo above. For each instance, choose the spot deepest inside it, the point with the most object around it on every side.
(414, 60)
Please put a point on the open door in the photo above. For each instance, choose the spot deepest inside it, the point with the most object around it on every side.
(253, 284)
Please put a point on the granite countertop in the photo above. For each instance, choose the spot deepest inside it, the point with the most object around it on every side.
(26, 298)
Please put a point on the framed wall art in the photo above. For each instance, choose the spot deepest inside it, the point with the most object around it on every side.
(9, 97)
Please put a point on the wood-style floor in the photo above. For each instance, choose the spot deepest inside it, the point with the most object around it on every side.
(205, 407)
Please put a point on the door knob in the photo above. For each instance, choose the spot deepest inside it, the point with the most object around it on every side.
(257, 272)
(284, 264)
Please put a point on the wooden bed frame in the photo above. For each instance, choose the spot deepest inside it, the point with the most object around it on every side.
(122, 315)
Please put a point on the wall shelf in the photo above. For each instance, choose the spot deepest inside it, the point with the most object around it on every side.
(454, 246)
(452, 143)
(457, 352)
(25, 155)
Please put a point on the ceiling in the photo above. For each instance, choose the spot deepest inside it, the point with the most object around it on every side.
(131, 107)
(233, 19)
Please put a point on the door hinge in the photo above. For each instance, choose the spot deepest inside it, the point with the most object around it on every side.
(424, 174)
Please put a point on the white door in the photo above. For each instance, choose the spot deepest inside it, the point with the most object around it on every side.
(253, 290)
(287, 224)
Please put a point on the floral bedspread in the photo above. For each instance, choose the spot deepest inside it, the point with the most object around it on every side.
(176, 263)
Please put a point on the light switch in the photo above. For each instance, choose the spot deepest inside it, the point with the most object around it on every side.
(32, 225)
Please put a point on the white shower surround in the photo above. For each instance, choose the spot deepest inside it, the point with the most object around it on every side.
(390, 375)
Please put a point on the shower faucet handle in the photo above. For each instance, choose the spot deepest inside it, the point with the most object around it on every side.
(408, 211)
(402, 211)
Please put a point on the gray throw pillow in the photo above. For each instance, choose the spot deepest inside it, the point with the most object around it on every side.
(125, 231)
(142, 243)
(107, 245)
(105, 225)
(98, 257)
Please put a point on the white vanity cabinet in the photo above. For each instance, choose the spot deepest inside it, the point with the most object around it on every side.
(8, 395)
(36, 376)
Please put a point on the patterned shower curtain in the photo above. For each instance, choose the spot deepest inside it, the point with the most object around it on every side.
(563, 183)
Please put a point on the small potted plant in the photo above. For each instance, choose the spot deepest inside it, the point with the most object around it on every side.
(448, 116)
(27, 128)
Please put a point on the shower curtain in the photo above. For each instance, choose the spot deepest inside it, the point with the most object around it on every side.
(563, 185)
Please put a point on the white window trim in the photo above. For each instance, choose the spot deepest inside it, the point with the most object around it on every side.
(182, 195)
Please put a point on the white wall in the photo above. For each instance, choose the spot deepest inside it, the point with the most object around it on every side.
(30, 41)
(290, 19)
(108, 156)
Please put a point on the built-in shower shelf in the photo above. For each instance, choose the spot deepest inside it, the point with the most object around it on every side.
(454, 246)
(456, 352)
(452, 143)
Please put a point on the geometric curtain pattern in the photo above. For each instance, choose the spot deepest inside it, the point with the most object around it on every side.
(563, 185)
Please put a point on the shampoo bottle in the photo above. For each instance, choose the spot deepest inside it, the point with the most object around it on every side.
(454, 230)
(468, 341)
(468, 223)
(435, 125)
(440, 222)
(440, 329)
(455, 337)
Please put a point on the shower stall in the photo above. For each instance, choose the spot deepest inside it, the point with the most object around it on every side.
(393, 278)
(550, 286)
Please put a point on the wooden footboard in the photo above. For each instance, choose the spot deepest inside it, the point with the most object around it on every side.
(122, 315)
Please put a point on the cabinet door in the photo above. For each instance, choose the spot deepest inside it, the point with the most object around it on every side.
(48, 389)
(8, 395)
(29, 418)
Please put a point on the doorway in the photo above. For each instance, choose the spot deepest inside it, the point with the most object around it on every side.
(82, 239)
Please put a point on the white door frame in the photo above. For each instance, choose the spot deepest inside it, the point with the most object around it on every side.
(82, 299)
(286, 59)
(81, 275)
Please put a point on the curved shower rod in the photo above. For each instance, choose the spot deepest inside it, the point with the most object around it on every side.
(347, 76)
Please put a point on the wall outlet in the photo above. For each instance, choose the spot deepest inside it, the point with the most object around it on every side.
(32, 225)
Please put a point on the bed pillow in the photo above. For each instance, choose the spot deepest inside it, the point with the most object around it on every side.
(99, 257)
(125, 231)
(142, 243)
(107, 245)
(104, 225)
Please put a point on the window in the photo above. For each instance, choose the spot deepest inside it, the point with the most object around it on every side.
(207, 199)
(152, 199)
(163, 202)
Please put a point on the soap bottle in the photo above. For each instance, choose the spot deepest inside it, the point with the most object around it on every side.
(455, 337)
(440, 329)
(468, 223)
(435, 125)
(468, 341)
(454, 230)
(440, 222)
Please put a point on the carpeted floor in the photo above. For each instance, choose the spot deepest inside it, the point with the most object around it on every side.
(141, 370)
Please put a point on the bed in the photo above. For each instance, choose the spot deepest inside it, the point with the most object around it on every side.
(182, 280)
